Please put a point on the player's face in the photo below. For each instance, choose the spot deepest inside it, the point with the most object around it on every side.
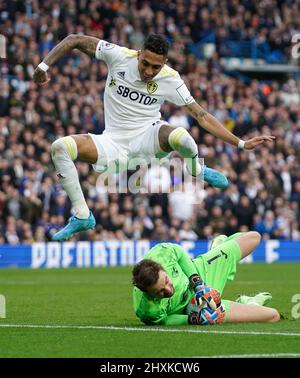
(149, 64)
(163, 288)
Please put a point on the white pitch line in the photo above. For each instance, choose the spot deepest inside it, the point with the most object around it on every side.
(150, 329)
(262, 355)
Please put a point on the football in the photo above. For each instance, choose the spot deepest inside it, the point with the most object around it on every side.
(194, 307)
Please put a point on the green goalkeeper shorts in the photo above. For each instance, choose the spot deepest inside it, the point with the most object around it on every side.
(218, 266)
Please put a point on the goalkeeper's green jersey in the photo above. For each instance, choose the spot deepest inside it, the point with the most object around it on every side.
(179, 267)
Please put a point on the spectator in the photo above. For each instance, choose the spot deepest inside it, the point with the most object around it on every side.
(186, 232)
(244, 212)
(267, 225)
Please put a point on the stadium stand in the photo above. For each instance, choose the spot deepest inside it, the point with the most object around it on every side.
(264, 194)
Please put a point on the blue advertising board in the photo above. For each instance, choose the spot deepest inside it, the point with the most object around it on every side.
(122, 253)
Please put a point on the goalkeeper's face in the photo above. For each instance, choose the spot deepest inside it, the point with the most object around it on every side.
(163, 287)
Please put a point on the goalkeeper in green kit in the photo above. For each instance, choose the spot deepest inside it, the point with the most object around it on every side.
(171, 289)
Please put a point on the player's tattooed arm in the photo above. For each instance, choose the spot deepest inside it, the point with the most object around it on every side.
(196, 111)
(214, 127)
(210, 123)
(86, 44)
(83, 43)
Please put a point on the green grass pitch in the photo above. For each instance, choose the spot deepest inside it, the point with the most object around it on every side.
(88, 313)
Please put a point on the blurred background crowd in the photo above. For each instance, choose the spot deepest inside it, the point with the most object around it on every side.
(264, 193)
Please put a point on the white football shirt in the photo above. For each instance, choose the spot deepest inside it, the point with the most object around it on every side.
(129, 103)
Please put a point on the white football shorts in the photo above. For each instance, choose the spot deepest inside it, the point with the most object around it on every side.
(120, 152)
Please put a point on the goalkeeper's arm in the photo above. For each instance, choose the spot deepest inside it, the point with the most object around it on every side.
(205, 316)
(202, 291)
(171, 320)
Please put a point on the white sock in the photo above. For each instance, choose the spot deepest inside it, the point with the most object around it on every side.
(181, 141)
(63, 152)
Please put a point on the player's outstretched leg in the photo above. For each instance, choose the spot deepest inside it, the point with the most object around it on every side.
(181, 141)
(244, 313)
(63, 152)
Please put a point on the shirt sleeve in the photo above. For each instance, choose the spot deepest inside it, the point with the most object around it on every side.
(149, 310)
(171, 320)
(176, 320)
(184, 261)
(108, 52)
(154, 315)
(179, 93)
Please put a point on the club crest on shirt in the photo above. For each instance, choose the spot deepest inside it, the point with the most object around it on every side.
(185, 295)
(151, 87)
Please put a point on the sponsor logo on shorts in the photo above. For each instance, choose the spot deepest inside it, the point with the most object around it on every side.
(108, 46)
(135, 96)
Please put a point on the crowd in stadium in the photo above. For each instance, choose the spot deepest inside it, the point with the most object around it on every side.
(264, 190)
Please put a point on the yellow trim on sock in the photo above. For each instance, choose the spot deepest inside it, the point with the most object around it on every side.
(174, 137)
(71, 146)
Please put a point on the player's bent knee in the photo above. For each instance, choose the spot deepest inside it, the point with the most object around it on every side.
(257, 236)
(254, 236)
(56, 147)
(65, 145)
(248, 242)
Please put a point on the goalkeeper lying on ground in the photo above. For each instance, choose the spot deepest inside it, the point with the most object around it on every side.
(172, 289)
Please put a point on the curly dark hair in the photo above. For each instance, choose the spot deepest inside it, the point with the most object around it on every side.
(156, 43)
(145, 274)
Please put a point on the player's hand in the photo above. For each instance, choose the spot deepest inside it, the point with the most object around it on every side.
(256, 141)
(208, 316)
(40, 77)
(204, 293)
(209, 295)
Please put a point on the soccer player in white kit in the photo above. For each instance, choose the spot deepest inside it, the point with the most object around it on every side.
(138, 83)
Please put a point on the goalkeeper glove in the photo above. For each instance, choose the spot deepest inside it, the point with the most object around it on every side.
(204, 292)
(207, 316)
